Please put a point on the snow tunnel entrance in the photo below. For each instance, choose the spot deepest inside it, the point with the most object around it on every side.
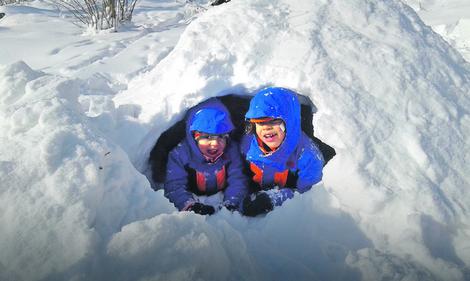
(237, 106)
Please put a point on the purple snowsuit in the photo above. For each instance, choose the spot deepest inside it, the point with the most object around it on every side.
(188, 172)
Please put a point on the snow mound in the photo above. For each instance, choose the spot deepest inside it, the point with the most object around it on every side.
(392, 98)
(65, 188)
(458, 33)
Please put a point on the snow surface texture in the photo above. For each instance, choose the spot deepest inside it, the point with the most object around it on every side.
(392, 98)
(449, 18)
(70, 52)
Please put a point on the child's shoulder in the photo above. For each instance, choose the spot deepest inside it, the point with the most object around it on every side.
(181, 149)
(306, 140)
(245, 143)
(233, 147)
(308, 146)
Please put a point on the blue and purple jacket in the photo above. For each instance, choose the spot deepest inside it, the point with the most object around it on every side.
(189, 173)
(297, 163)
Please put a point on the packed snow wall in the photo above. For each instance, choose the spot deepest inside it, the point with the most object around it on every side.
(392, 98)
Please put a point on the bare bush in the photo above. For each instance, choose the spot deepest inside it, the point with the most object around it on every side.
(99, 14)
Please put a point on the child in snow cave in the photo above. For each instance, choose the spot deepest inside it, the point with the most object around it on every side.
(206, 162)
(280, 156)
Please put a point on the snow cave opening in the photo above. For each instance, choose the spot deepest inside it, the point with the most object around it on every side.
(237, 105)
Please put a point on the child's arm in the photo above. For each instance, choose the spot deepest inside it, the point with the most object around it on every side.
(237, 184)
(176, 182)
(310, 166)
(309, 172)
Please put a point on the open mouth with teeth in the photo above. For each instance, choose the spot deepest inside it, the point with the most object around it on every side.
(213, 152)
(270, 137)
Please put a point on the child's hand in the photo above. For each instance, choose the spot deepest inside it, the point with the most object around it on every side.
(229, 206)
(202, 209)
(260, 204)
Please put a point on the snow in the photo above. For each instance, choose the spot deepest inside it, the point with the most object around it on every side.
(69, 51)
(449, 18)
(80, 112)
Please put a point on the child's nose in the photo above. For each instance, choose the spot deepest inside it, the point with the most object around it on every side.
(267, 126)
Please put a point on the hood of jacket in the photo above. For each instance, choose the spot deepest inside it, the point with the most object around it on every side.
(280, 103)
(210, 117)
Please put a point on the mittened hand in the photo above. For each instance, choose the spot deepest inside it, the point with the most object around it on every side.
(230, 207)
(202, 209)
(278, 197)
(261, 204)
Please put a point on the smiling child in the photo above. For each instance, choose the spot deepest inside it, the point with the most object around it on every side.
(282, 159)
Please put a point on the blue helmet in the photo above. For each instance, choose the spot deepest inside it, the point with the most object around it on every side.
(211, 120)
(275, 102)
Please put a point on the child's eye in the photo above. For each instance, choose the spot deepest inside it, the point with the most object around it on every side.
(221, 137)
(207, 138)
(274, 122)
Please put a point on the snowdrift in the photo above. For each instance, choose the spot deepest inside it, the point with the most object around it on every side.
(392, 98)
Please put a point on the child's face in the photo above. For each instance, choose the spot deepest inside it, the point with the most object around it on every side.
(211, 145)
(271, 133)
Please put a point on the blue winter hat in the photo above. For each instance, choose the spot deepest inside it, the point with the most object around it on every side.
(274, 102)
(211, 121)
